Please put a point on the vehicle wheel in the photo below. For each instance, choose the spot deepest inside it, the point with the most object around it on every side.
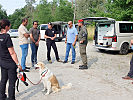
(124, 49)
(59, 40)
(101, 50)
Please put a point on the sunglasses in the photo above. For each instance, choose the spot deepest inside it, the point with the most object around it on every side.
(69, 24)
(35, 24)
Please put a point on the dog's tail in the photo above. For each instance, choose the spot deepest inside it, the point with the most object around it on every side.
(67, 86)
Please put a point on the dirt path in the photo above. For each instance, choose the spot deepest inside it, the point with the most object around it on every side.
(102, 81)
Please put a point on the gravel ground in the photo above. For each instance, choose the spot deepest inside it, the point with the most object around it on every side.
(102, 81)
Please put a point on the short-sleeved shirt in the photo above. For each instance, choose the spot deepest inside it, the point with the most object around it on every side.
(71, 34)
(22, 39)
(50, 33)
(5, 43)
(35, 33)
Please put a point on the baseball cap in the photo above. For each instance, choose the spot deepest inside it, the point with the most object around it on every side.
(81, 20)
(50, 23)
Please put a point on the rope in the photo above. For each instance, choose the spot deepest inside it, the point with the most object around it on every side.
(34, 83)
(39, 80)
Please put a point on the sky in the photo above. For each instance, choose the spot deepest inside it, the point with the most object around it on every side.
(11, 5)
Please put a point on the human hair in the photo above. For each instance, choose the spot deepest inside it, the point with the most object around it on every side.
(34, 22)
(4, 23)
(24, 19)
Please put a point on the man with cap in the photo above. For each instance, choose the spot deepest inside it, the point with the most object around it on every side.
(50, 35)
(82, 38)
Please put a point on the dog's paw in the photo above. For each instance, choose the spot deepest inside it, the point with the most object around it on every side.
(43, 90)
(47, 93)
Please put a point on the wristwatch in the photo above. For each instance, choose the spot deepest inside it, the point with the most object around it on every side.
(18, 64)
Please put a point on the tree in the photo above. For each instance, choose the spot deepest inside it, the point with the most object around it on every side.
(17, 17)
(3, 13)
(120, 10)
(64, 11)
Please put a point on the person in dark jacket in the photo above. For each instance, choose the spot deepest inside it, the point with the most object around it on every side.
(8, 62)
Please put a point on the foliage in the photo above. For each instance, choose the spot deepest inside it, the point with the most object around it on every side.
(117, 9)
(62, 10)
(3, 13)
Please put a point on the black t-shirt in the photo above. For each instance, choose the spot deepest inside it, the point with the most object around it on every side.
(5, 43)
(50, 33)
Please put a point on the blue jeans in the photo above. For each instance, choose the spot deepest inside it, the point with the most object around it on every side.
(24, 49)
(68, 47)
(34, 49)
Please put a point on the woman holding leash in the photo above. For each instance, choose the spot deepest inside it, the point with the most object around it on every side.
(8, 62)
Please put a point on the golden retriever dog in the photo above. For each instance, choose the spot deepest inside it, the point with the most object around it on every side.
(50, 81)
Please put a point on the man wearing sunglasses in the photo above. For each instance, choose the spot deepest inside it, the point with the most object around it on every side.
(35, 38)
(71, 38)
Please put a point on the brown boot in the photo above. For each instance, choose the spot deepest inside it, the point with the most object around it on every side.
(127, 78)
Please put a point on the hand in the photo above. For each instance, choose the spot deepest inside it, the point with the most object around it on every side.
(131, 42)
(81, 42)
(37, 43)
(73, 44)
(65, 41)
(52, 38)
(20, 67)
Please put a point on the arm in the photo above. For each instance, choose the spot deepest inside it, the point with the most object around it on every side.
(14, 56)
(84, 35)
(66, 39)
(52, 38)
(31, 36)
(37, 43)
(45, 36)
(75, 40)
(26, 35)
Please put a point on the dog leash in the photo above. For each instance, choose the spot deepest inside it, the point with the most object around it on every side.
(38, 81)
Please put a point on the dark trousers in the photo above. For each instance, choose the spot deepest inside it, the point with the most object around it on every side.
(130, 74)
(8, 71)
(49, 44)
(34, 49)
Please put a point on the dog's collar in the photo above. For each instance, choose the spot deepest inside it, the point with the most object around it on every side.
(44, 72)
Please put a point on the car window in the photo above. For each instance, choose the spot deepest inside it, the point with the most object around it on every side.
(14, 30)
(126, 27)
(104, 25)
(44, 27)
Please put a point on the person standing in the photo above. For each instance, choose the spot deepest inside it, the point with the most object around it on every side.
(71, 39)
(8, 62)
(82, 38)
(35, 38)
(129, 76)
(23, 42)
(50, 35)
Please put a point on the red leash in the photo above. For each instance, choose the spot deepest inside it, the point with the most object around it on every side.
(39, 80)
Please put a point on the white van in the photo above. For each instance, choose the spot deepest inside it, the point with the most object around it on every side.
(112, 35)
(42, 29)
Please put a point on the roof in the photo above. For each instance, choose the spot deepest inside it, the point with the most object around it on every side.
(58, 22)
(98, 19)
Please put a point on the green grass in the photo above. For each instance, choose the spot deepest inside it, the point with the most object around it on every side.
(91, 30)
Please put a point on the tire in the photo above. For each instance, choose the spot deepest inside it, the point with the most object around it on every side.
(59, 40)
(124, 49)
(101, 50)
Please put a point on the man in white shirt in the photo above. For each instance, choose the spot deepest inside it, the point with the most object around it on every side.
(23, 42)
